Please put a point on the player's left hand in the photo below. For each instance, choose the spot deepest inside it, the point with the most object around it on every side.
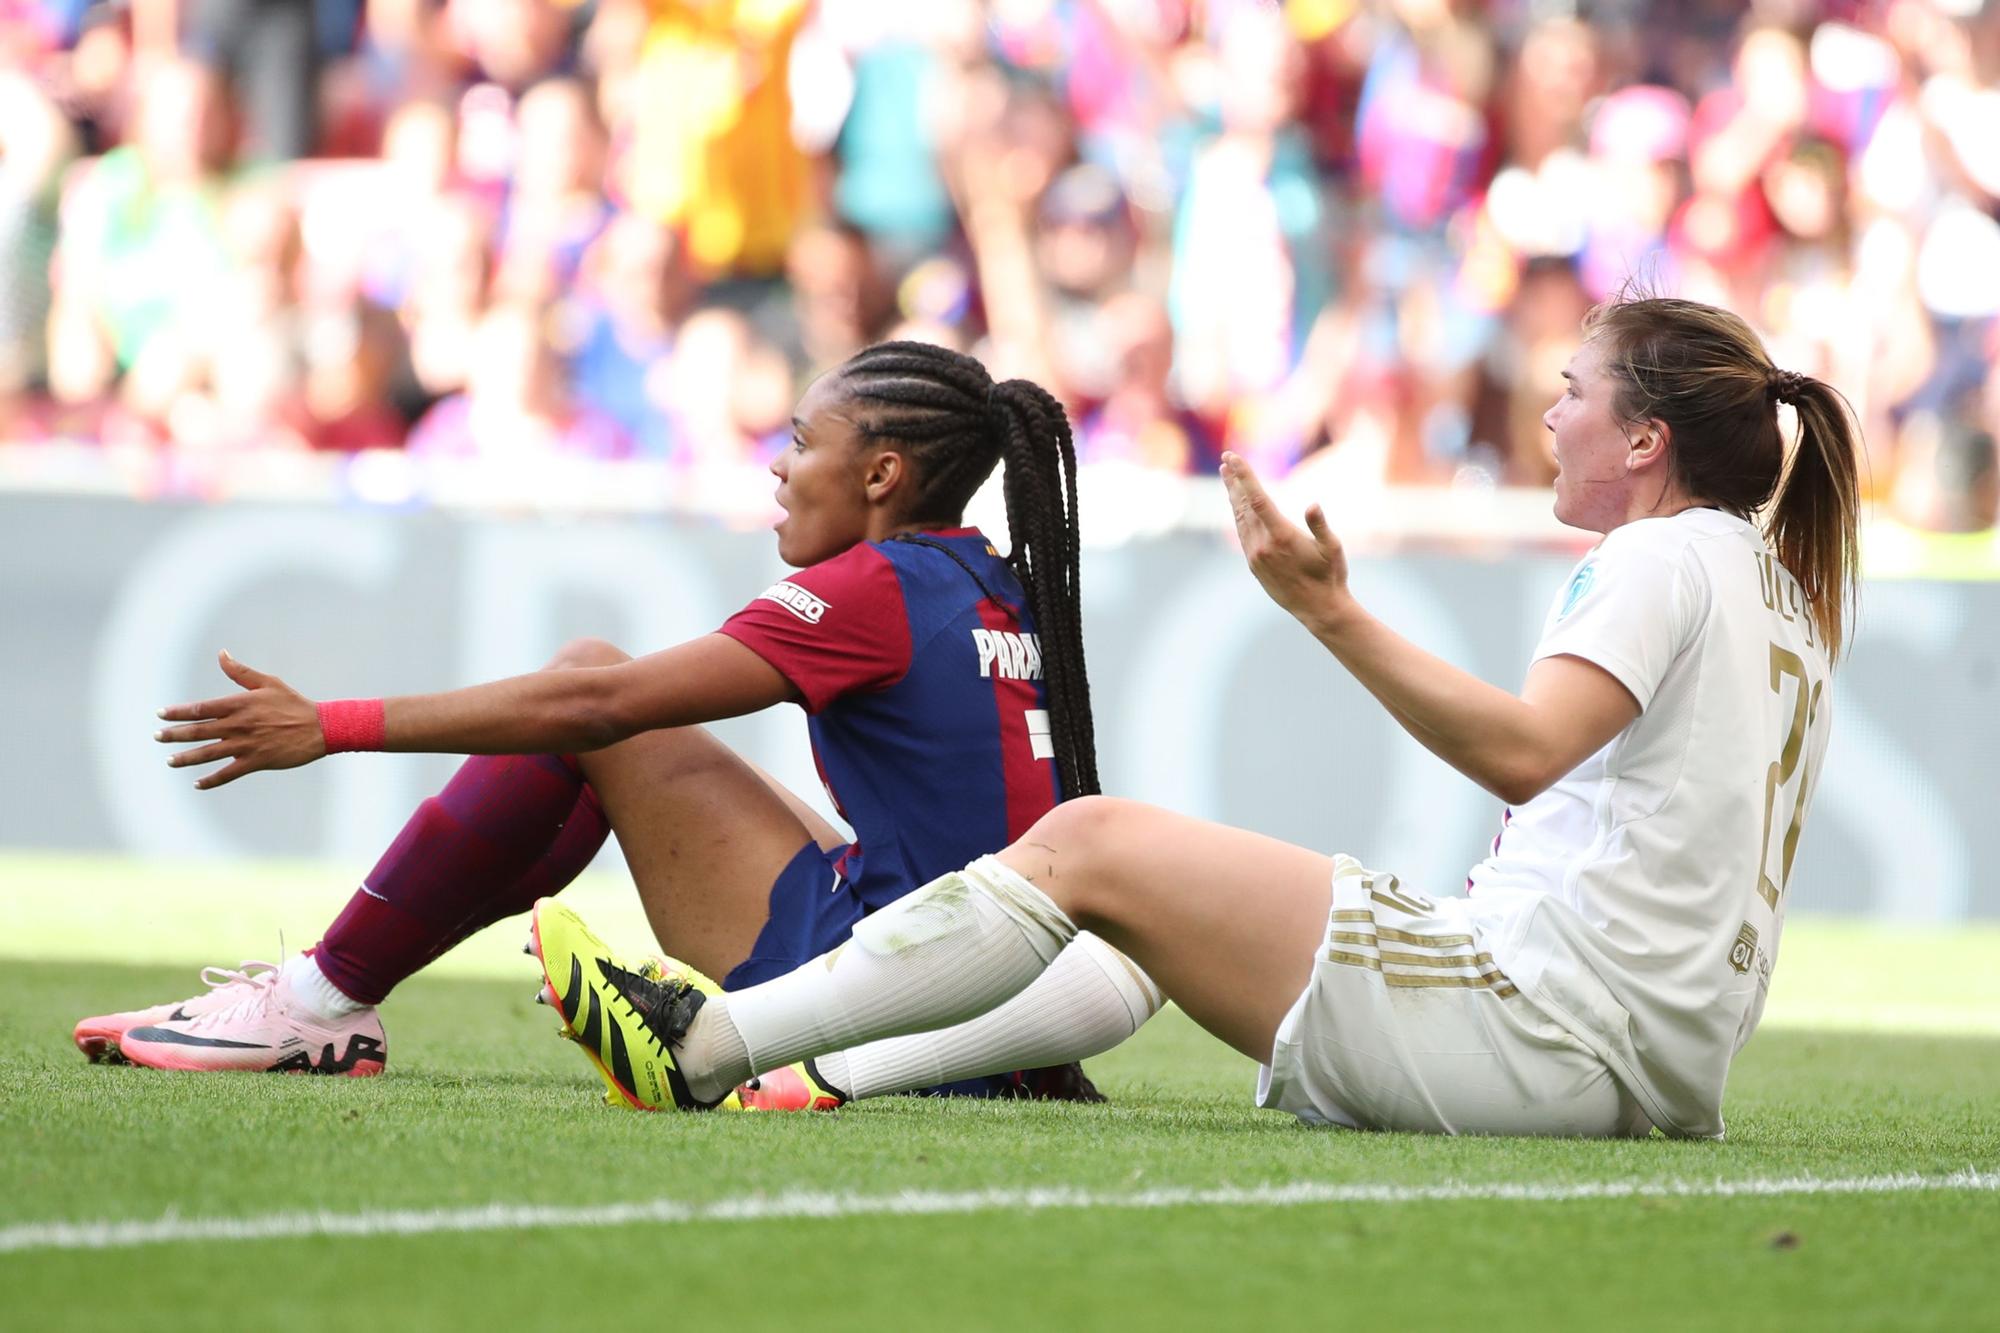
(268, 725)
(1303, 570)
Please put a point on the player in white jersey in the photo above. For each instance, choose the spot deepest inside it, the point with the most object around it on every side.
(1612, 954)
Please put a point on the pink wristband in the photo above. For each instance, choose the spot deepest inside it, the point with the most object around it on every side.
(351, 724)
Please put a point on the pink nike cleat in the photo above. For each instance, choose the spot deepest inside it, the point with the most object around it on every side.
(267, 1030)
(98, 1037)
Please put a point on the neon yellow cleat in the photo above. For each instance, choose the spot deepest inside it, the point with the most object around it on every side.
(626, 1017)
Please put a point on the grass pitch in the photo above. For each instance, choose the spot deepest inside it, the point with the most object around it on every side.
(484, 1107)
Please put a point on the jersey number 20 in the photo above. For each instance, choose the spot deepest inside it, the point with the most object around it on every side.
(1805, 711)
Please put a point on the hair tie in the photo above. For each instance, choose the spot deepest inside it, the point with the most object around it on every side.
(1785, 386)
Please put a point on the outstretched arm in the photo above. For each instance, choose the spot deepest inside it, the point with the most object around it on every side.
(270, 725)
(1514, 746)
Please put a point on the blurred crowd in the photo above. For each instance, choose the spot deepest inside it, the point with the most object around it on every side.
(1352, 235)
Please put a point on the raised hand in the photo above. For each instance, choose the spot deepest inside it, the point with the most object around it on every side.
(267, 725)
(1303, 570)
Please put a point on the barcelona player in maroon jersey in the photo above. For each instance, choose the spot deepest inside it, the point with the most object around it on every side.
(948, 707)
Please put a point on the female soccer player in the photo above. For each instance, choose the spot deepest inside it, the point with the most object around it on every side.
(1611, 955)
(949, 710)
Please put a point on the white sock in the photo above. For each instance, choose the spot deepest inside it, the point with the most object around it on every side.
(320, 996)
(948, 952)
(1090, 999)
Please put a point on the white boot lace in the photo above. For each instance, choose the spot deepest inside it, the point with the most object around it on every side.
(254, 972)
(259, 981)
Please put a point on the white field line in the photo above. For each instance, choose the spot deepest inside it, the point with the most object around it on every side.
(33, 1236)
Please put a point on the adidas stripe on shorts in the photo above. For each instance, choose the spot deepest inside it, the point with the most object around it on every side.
(1407, 1024)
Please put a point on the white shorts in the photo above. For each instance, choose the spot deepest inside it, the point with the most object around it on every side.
(1408, 1025)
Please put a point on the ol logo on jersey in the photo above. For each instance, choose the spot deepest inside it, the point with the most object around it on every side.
(1744, 952)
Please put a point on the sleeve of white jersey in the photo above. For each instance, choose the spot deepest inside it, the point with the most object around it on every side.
(1630, 608)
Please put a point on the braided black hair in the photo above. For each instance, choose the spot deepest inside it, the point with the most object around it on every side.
(955, 423)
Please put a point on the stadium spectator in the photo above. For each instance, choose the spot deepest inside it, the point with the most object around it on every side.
(269, 51)
(1249, 259)
(555, 206)
(449, 276)
(707, 115)
(81, 406)
(404, 52)
(1947, 476)
(1138, 420)
(1085, 245)
(1633, 186)
(351, 357)
(142, 240)
(516, 408)
(716, 387)
(885, 59)
(512, 43)
(618, 330)
(1011, 146)
(417, 179)
(839, 300)
(36, 146)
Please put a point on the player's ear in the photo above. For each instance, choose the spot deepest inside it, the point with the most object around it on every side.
(1648, 444)
(885, 476)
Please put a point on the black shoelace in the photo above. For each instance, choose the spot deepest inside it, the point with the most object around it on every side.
(660, 1006)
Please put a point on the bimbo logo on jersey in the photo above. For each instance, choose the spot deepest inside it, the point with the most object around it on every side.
(1006, 654)
(807, 606)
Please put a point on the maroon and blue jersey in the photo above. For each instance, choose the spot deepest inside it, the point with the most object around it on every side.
(921, 675)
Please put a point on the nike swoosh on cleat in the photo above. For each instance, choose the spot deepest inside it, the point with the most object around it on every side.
(168, 1037)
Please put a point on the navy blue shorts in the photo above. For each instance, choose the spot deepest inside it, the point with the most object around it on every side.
(813, 909)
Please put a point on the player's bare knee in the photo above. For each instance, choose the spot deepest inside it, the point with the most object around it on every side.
(1092, 828)
(1081, 842)
(589, 653)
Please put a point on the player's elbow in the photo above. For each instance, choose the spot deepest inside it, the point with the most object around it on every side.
(1534, 754)
(1516, 791)
(593, 732)
(1521, 776)
(599, 708)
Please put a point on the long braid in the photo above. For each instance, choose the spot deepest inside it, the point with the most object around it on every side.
(1048, 564)
(955, 423)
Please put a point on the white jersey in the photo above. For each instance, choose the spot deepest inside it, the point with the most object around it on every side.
(1639, 900)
